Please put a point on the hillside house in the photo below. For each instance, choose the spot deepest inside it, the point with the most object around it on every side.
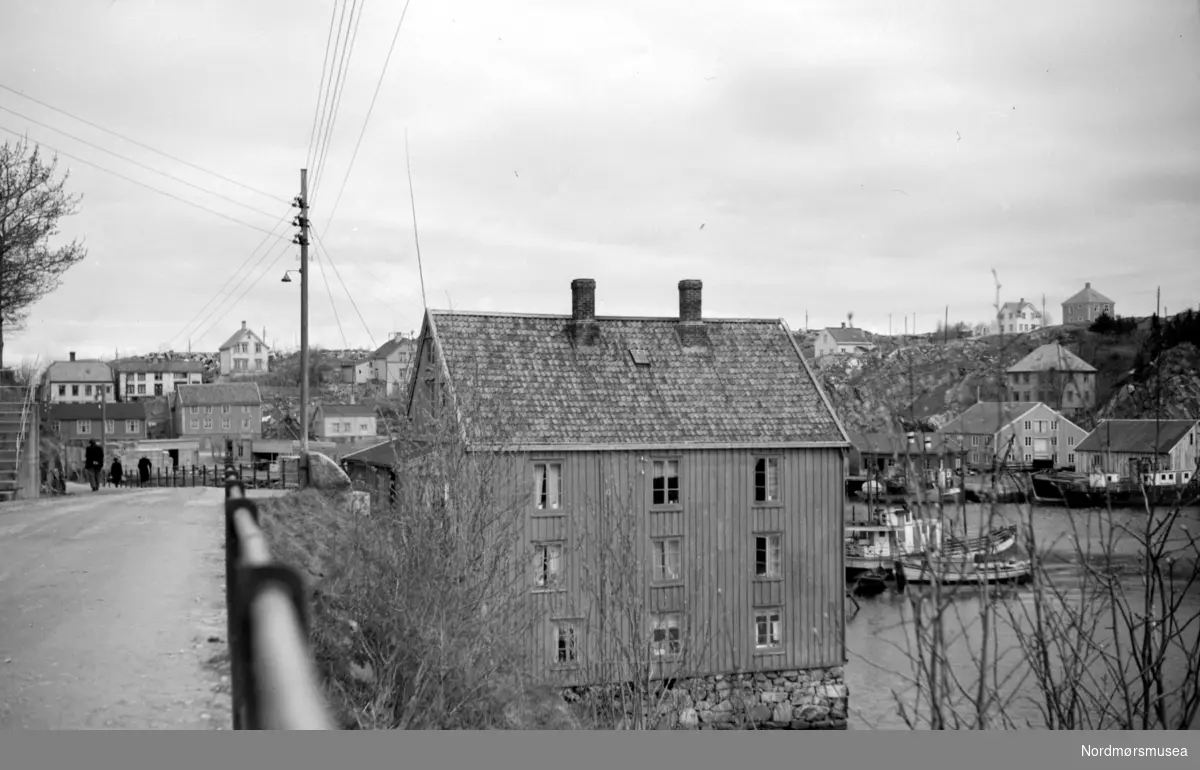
(1128, 448)
(224, 417)
(1087, 305)
(77, 424)
(357, 372)
(345, 423)
(77, 382)
(708, 443)
(390, 364)
(244, 353)
(1021, 434)
(1056, 377)
(139, 378)
(841, 341)
(1017, 318)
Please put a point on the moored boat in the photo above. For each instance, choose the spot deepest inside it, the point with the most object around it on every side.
(957, 570)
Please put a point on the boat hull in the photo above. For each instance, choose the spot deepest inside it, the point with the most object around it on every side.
(963, 572)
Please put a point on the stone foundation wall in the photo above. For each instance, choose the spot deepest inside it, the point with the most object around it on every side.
(804, 699)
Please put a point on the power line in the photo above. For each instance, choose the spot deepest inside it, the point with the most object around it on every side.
(140, 144)
(348, 57)
(232, 275)
(416, 239)
(137, 162)
(312, 136)
(363, 131)
(326, 101)
(321, 245)
(248, 288)
(336, 317)
(143, 184)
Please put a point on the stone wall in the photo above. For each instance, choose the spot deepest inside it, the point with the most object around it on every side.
(805, 699)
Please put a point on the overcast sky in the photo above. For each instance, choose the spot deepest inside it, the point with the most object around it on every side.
(804, 159)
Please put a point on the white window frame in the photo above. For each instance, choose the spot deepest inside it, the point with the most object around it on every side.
(667, 470)
(195, 410)
(208, 423)
(665, 638)
(131, 426)
(771, 481)
(768, 628)
(226, 409)
(567, 636)
(110, 426)
(83, 427)
(667, 559)
(195, 423)
(547, 485)
(225, 423)
(246, 423)
(1029, 425)
(770, 545)
(1070, 458)
(548, 566)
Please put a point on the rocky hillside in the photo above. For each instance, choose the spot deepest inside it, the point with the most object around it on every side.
(930, 382)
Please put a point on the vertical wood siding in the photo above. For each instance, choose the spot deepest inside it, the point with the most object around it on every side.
(717, 521)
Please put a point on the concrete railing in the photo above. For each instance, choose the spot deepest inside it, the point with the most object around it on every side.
(273, 676)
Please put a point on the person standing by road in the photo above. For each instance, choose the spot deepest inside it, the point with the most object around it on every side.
(116, 472)
(144, 471)
(93, 463)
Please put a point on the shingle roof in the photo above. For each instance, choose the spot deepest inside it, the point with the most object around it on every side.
(142, 365)
(1135, 436)
(233, 393)
(347, 410)
(845, 335)
(1051, 356)
(750, 386)
(987, 417)
(123, 410)
(1016, 307)
(79, 371)
(1087, 295)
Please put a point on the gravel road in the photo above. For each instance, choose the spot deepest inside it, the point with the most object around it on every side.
(112, 611)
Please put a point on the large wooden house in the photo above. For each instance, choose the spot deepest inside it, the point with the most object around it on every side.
(708, 442)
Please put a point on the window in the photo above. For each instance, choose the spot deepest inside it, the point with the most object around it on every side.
(1054, 425)
(974, 440)
(181, 375)
(258, 347)
(141, 376)
(207, 423)
(1029, 425)
(547, 563)
(430, 386)
(345, 427)
(132, 426)
(364, 427)
(208, 410)
(665, 634)
(158, 388)
(110, 426)
(1070, 458)
(224, 423)
(767, 627)
(548, 486)
(245, 423)
(335, 427)
(225, 408)
(1029, 441)
(1054, 441)
(62, 390)
(158, 376)
(129, 389)
(83, 427)
(141, 389)
(245, 409)
(766, 480)
(566, 642)
(1028, 457)
(244, 347)
(87, 390)
(195, 423)
(258, 363)
(195, 410)
(665, 485)
(768, 555)
(1070, 441)
(74, 390)
(56, 426)
(668, 559)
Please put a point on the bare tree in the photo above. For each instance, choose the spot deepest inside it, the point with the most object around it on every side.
(32, 201)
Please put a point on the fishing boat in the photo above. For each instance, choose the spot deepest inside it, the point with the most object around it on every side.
(871, 583)
(887, 534)
(1000, 540)
(958, 570)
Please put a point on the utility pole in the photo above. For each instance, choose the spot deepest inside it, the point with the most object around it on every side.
(302, 239)
(946, 327)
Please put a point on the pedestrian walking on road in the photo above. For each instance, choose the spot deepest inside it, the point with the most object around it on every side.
(144, 471)
(116, 472)
(93, 463)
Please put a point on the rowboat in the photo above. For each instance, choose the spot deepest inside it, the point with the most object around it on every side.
(1000, 540)
(954, 570)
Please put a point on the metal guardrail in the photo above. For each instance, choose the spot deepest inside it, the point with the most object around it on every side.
(272, 674)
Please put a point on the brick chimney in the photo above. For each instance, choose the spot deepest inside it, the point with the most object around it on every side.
(72, 355)
(843, 324)
(691, 324)
(583, 327)
(1087, 285)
